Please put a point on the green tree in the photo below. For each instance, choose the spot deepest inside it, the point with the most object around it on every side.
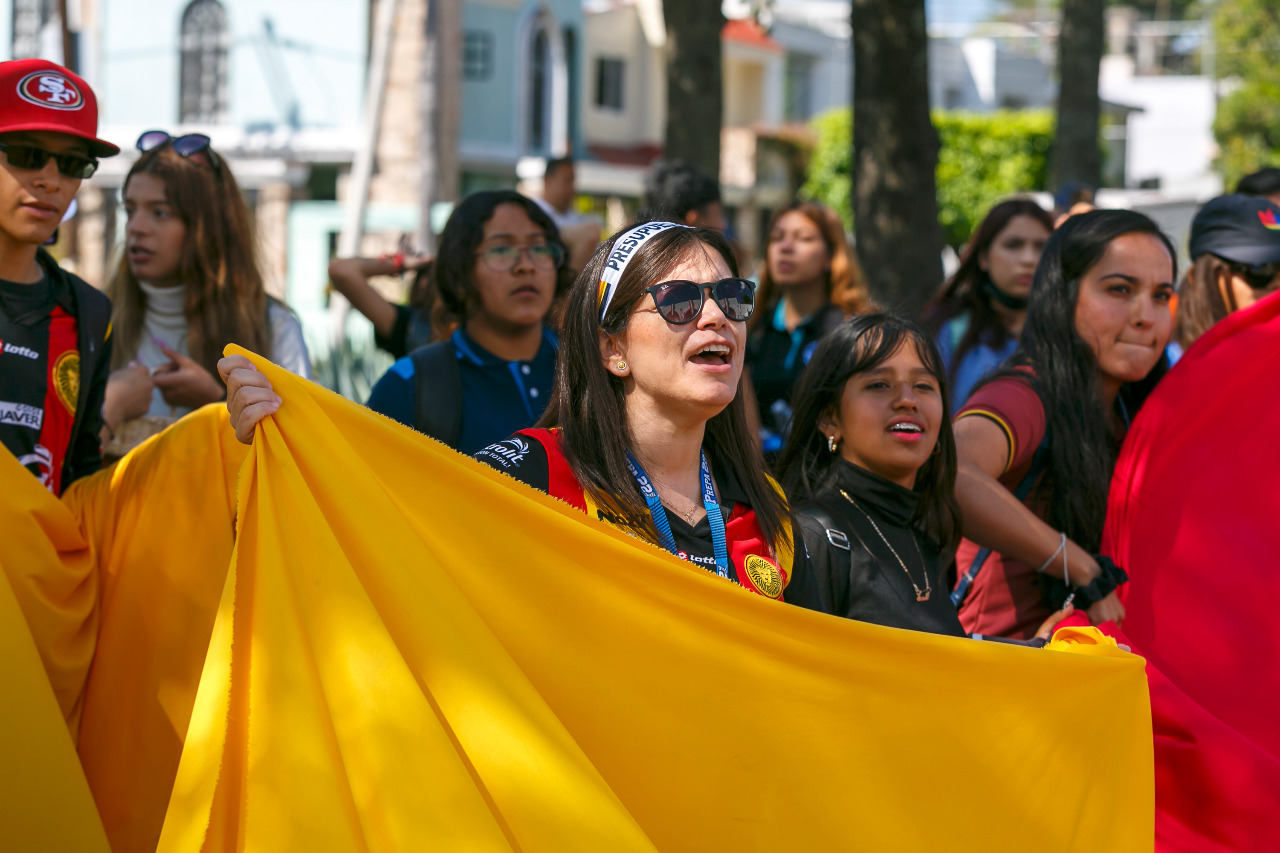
(829, 177)
(982, 158)
(1247, 127)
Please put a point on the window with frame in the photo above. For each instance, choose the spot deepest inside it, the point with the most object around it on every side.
(798, 84)
(610, 73)
(204, 45)
(477, 55)
(29, 19)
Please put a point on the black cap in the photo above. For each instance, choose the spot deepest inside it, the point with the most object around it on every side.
(1240, 228)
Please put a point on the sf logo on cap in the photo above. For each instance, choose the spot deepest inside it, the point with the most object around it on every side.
(50, 89)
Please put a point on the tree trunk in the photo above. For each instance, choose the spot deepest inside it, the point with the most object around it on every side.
(440, 94)
(695, 98)
(1076, 155)
(895, 155)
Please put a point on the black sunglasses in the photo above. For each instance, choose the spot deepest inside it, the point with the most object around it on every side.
(183, 146)
(680, 302)
(22, 156)
(1257, 276)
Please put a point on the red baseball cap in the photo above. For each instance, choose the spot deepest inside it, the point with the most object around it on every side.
(36, 94)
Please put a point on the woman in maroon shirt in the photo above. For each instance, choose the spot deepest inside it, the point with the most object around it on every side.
(1037, 443)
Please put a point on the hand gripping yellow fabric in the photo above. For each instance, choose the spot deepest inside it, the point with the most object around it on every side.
(414, 651)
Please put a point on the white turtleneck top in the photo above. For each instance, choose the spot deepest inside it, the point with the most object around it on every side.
(165, 321)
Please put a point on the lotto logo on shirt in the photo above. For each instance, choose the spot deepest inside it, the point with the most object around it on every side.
(20, 414)
(14, 349)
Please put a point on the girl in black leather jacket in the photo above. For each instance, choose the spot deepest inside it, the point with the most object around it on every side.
(870, 468)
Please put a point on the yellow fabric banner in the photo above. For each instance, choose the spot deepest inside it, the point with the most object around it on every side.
(119, 583)
(413, 650)
(161, 526)
(44, 801)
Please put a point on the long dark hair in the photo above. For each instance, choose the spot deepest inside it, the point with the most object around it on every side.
(859, 344)
(449, 284)
(846, 287)
(965, 291)
(1082, 446)
(226, 301)
(587, 402)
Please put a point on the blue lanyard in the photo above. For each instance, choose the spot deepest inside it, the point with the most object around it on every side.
(659, 513)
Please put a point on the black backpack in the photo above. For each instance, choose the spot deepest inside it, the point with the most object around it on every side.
(437, 392)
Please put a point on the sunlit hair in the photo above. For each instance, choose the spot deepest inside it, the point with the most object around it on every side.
(1204, 298)
(845, 286)
(1082, 446)
(225, 298)
(450, 290)
(808, 467)
(964, 291)
(588, 402)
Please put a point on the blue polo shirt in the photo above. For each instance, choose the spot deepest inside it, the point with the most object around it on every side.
(498, 397)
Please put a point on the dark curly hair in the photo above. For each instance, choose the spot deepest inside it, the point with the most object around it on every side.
(450, 285)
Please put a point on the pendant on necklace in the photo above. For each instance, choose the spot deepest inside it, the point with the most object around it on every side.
(923, 595)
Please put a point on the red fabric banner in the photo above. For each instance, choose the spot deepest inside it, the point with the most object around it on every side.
(1194, 517)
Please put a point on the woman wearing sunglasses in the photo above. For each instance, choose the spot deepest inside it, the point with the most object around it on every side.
(488, 296)
(648, 430)
(188, 283)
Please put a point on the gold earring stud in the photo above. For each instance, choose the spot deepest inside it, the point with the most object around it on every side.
(622, 366)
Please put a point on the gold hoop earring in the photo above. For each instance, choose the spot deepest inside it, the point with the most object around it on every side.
(622, 366)
(832, 443)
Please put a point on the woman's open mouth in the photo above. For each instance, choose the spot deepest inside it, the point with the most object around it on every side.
(713, 354)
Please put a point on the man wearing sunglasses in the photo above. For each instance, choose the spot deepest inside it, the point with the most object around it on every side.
(54, 328)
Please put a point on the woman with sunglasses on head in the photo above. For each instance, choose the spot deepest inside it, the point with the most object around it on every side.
(809, 284)
(188, 283)
(1235, 262)
(497, 274)
(870, 466)
(977, 317)
(1038, 442)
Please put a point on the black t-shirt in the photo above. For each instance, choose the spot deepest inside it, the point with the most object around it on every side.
(26, 312)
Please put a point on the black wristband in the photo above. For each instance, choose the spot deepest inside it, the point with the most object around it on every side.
(1110, 576)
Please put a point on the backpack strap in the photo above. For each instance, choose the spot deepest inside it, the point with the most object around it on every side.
(835, 537)
(437, 392)
(1038, 463)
